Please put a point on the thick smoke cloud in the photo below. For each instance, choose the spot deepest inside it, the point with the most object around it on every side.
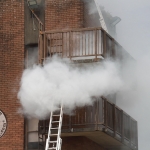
(134, 35)
(44, 88)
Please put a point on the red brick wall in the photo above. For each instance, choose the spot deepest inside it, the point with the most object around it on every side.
(11, 67)
(60, 14)
(79, 143)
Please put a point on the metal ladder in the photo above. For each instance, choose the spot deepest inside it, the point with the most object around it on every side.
(102, 21)
(53, 141)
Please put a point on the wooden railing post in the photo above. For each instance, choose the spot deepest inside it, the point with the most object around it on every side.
(70, 44)
(70, 123)
(62, 44)
(44, 46)
(105, 115)
(40, 48)
(97, 108)
(96, 45)
(122, 127)
(113, 49)
(129, 131)
(114, 119)
(136, 136)
(104, 44)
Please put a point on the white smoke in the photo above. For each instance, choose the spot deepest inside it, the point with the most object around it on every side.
(134, 35)
(57, 82)
(136, 101)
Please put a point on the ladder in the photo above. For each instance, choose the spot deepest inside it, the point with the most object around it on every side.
(53, 141)
(102, 21)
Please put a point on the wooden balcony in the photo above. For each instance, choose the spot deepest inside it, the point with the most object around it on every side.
(75, 44)
(103, 122)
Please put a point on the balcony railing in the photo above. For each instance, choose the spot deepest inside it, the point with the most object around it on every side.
(76, 43)
(103, 116)
(40, 24)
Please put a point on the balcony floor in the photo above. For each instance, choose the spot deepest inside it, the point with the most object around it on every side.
(100, 138)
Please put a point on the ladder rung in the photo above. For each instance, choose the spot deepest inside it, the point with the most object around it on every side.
(56, 115)
(52, 141)
(55, 121)
(54, 128)
(53, 134)
(52, 148)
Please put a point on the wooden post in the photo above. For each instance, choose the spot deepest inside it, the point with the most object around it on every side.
(114, 119)
(62, 44)
(104, 44)
(70, 45)
(105, 114)
(26, 133)
(96, 45)
(122, 127)
(136, 136)
(44, 46)
(70, 123)
(130, 131)
(113, 49)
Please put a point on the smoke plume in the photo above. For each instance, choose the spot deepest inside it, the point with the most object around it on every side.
(134, 35)
(43, 89)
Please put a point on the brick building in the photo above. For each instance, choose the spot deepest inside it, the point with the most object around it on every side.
(19, 41)
(11, 67)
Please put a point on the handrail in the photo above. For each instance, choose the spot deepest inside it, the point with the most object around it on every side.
(41, 26)
(70, 30)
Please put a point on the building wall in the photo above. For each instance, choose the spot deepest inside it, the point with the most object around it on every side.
(60, 14)
(11, 67)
